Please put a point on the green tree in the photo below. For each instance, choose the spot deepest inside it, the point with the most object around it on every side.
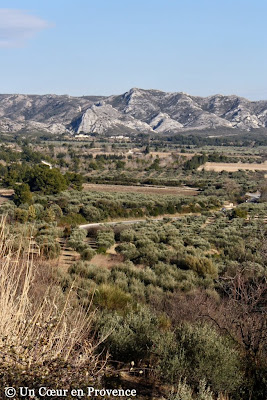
(22, 194)
(147, 149)
(48, 181)
(74, 180)
(240, 213)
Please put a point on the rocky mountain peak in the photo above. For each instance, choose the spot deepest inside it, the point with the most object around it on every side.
(137, 110)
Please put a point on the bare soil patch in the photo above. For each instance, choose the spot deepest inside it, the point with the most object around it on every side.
(164, 190)
(5, 195)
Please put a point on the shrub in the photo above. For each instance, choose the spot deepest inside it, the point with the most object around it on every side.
(185, 392)
(240, 213)
(72, 219)
(209, 356)
(111, 297)
(128, 250)
(90, 272)
(91, 213)
(105, 239)
(127, 235)
(87, 254)
(21, 215)
(202, 266)
(131, 336)
(171, 358)
(76, 240)
(48, 246)
(57, 211)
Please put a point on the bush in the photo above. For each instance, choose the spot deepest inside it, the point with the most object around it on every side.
(91, 213)
(87, 254)
(111, 297)
(128, 250)
(171, 358)
(21, 215)
(49, 247)
(105, 239)
(202, 266)
(240, 213)
(185, 392)
(131, 337)
(127, 235)
(77, 238)
(57, 211)
(72, 219)
(209, 356)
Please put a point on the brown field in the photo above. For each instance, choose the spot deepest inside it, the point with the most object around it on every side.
(233, 167)
(179, 191)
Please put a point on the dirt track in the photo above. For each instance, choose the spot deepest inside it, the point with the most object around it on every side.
(134, 221)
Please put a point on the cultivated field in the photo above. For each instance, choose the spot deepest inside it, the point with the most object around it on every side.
(232, 167)
(179, 191)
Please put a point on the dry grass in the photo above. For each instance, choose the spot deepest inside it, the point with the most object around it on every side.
(233, 167)
(45, 338)
(107, 261)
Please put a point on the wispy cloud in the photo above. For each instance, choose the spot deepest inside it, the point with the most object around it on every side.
(17, 26)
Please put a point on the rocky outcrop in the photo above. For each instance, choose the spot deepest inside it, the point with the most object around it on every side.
(102, 117)
(135, 111)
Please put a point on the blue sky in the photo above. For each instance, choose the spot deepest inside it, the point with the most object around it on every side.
(82, 47)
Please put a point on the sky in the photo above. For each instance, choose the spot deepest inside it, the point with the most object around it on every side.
(104, 47)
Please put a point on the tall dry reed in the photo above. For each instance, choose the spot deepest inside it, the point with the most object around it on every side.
(44, 339)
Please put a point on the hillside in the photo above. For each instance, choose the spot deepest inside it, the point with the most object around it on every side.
(137, 110)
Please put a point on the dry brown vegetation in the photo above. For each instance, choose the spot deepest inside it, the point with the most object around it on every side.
(107, 261)
(44, 336)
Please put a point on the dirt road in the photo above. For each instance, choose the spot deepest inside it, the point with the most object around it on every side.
(134, 221)
(162, 190)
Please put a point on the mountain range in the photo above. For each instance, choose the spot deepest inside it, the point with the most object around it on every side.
(135, 111)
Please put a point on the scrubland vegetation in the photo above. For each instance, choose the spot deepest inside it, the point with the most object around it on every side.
(180, 313)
